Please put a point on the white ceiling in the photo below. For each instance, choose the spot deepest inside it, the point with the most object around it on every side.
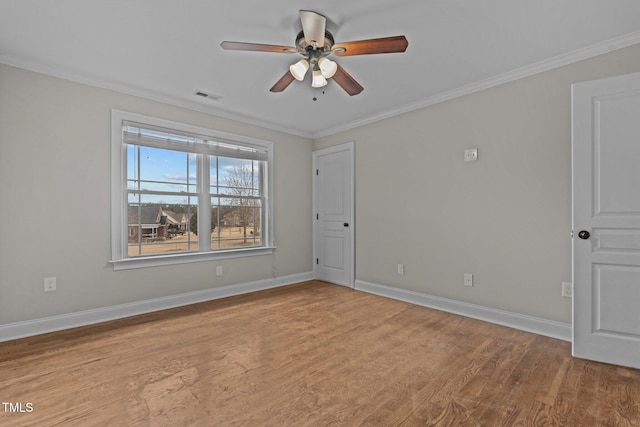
(167, 49)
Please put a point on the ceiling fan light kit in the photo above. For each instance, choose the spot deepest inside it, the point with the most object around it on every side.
(315, 43)
(318, 79)
(327, 66)
(299, 69)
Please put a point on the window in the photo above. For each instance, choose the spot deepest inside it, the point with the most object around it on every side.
(182, 193)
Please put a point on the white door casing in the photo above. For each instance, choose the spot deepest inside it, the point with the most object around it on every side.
(333, 210)
(606, 205)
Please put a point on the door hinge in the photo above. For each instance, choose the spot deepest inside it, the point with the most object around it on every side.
(317, 172)
(317, 261)
(317, 216)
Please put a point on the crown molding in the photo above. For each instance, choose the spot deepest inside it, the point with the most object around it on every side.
(529, 70)
(148, 94)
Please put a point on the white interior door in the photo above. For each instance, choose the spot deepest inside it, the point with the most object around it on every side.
(333, 204)
(606, 220)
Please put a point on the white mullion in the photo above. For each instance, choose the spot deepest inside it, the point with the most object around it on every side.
(253, 203)
(264, 215)
(218, 232)
(162, 193)
(139, 215)
(229, 196)
(204, 203)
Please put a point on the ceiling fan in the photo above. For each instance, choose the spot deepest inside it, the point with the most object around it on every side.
(315, 44)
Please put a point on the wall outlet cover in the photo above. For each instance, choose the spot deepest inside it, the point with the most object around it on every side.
(468, 279)
(471, 155)
(50, 284)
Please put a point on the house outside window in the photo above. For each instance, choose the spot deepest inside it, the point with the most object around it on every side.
(182, 193)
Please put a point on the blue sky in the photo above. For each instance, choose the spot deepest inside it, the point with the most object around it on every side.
(172, 171)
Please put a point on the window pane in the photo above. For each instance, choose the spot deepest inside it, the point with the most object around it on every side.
(154, 169)
(238, 215)
(213, 175)
(239, 223)
(239, 177)
(159, 224)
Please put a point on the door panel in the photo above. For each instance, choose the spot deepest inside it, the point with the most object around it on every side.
(334, 203)
(333, 252)
(606, 203)
(613, 284)
(617, 154)
(333, 210)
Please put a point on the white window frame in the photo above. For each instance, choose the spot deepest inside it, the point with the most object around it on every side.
(119, 221)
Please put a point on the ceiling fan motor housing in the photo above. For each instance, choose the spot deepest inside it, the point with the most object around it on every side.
(313, 52)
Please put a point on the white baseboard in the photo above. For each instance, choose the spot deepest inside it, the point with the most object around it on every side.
(522, 322)
(28, 328)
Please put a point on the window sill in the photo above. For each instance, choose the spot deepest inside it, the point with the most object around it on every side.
(163, 260)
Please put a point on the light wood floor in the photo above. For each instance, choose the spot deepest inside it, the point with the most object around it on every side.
(309, 354)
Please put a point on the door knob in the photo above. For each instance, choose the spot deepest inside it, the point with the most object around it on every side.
(346, 224)
(584, 234)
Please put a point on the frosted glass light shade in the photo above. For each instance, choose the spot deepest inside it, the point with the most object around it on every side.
(299, 69)
(328, 67)
(318, 79)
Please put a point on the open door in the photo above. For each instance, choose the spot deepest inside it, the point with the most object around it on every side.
(606, 220)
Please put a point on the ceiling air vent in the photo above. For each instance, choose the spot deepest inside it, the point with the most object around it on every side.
(207, 95)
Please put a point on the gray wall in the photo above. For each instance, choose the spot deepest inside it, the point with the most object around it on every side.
(55, 202)
(505, 218)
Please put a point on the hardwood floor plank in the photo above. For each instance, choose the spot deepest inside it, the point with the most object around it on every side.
(309, 354)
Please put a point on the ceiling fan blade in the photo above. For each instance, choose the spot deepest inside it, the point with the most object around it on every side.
(346, 82)
(257, 47)
(313, 27)
(283, 82)
(371, 46)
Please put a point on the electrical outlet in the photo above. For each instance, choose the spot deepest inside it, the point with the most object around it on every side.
(401, 269)
(219, 270)
(49, 284)
(471, 155)
(468, 279)
(567, 289)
